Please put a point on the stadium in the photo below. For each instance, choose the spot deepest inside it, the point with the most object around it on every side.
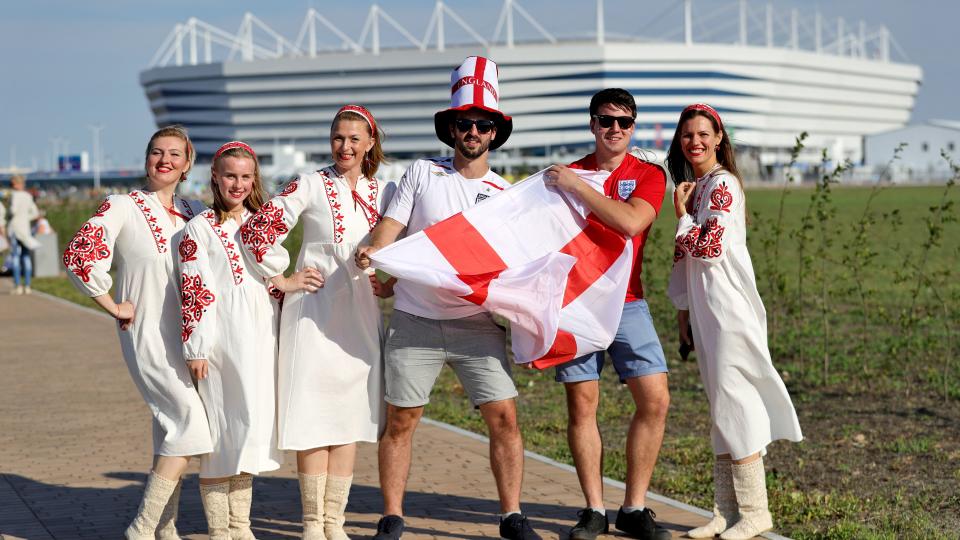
(770, 74)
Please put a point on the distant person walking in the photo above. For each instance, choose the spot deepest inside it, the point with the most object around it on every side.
(714, 288)
(330, 392)
(23, 210)
(139, 231)
(229, 334)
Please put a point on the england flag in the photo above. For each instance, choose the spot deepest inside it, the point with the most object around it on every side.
(536, 256)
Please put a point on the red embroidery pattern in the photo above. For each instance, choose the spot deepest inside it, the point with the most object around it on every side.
(720, 198)
(677, 251)
(335, 208)
(290, 188)
(263, 229)
(233, 257)
(374, 217)
(188, 211)
(195, 298)
(276, 293)
(187, 249)
(151, 221)
(86, 248)
(104, 206)
(705, 243)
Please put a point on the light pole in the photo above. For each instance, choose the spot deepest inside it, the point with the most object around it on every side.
(96, 129)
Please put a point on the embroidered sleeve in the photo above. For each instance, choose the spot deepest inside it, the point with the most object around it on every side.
(198, 292)
(264, 232)
(89, 253)
(704, 236)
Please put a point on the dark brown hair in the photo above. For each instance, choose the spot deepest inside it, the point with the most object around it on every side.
(257, 196)
(618, 97)
(680, 169)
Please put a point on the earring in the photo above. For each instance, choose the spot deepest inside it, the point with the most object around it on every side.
(716, 148)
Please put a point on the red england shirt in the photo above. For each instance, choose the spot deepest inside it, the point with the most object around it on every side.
(633, 178)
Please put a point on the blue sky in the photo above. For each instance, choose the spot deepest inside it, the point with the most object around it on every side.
(70, 64)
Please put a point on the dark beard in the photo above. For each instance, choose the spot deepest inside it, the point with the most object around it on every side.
(467, 152)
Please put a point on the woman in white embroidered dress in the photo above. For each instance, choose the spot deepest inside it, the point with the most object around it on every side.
(330, 392)
(138, 231)
(714, 288)
(229, 337)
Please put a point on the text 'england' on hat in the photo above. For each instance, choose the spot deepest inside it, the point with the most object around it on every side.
(474, 85)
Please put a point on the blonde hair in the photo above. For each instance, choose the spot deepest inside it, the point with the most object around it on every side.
(372, 159)
(257, 196)
(179, 132)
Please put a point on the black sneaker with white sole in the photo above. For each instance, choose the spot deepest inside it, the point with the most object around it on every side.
(517, 527)
(591, 524)
(640, 524)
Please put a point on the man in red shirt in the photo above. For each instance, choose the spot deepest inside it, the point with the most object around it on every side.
(632, 198)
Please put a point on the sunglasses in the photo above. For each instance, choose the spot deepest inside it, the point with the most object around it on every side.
(606, 121)
(464, 125)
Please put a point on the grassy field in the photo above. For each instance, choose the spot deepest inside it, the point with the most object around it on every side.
(862, 298)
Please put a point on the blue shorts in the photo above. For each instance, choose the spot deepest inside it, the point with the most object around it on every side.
(635, 351)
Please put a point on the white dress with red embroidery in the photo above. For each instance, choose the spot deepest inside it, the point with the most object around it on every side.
(713, 278)
(230, 319)
(135, 234)
(330, 376)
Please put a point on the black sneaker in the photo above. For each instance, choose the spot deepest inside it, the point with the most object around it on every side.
(590, 525)
(517, 527)
(389, 528)
(640, 524)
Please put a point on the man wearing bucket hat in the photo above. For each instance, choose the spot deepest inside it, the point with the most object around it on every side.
(425, 331)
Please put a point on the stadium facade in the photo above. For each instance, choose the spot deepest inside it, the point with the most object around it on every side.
(835, 81)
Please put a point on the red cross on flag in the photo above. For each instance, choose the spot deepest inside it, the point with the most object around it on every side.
(534, 255)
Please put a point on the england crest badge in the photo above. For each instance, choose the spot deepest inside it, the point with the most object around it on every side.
(625, 188)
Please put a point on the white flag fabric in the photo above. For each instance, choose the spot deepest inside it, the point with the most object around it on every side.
(534, 255)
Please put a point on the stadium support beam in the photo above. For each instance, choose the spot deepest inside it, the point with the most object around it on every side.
(743, 22)
(688, 22)
(505, 22)
(436, 24)
(769, 24)
(308, 31)
(600, 29)
(372, 27)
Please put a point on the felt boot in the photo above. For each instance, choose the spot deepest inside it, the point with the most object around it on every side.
(156, 495)
(724, 502)
(241, 497)
(312, 488)
(750, 486)
(167, 526)
(216, 506)
(334, 505)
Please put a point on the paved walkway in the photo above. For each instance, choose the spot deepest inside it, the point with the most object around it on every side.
(75, 446)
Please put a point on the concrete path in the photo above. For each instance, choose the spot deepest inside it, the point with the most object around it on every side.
(75, 446)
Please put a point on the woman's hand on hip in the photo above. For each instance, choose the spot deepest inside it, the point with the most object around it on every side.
(198, 368)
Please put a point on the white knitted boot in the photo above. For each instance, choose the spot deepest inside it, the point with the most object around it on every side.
(334, 504)
(241, 497)
(156, 494)
(312, 488)
(167, 526)
(216, 506)
(750, 486)
(724, 502)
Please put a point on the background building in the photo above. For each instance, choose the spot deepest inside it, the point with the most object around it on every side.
(771, 75)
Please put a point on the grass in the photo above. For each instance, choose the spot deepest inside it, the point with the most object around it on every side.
(876, 394)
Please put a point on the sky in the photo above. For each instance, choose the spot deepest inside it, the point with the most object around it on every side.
(68, 65)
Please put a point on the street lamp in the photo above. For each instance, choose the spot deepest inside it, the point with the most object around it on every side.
(96, 129)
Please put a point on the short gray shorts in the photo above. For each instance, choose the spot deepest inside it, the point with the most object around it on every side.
(417, 348)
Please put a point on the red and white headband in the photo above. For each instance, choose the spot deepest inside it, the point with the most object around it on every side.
(230, 146)
(707, 109)
(362, 111)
